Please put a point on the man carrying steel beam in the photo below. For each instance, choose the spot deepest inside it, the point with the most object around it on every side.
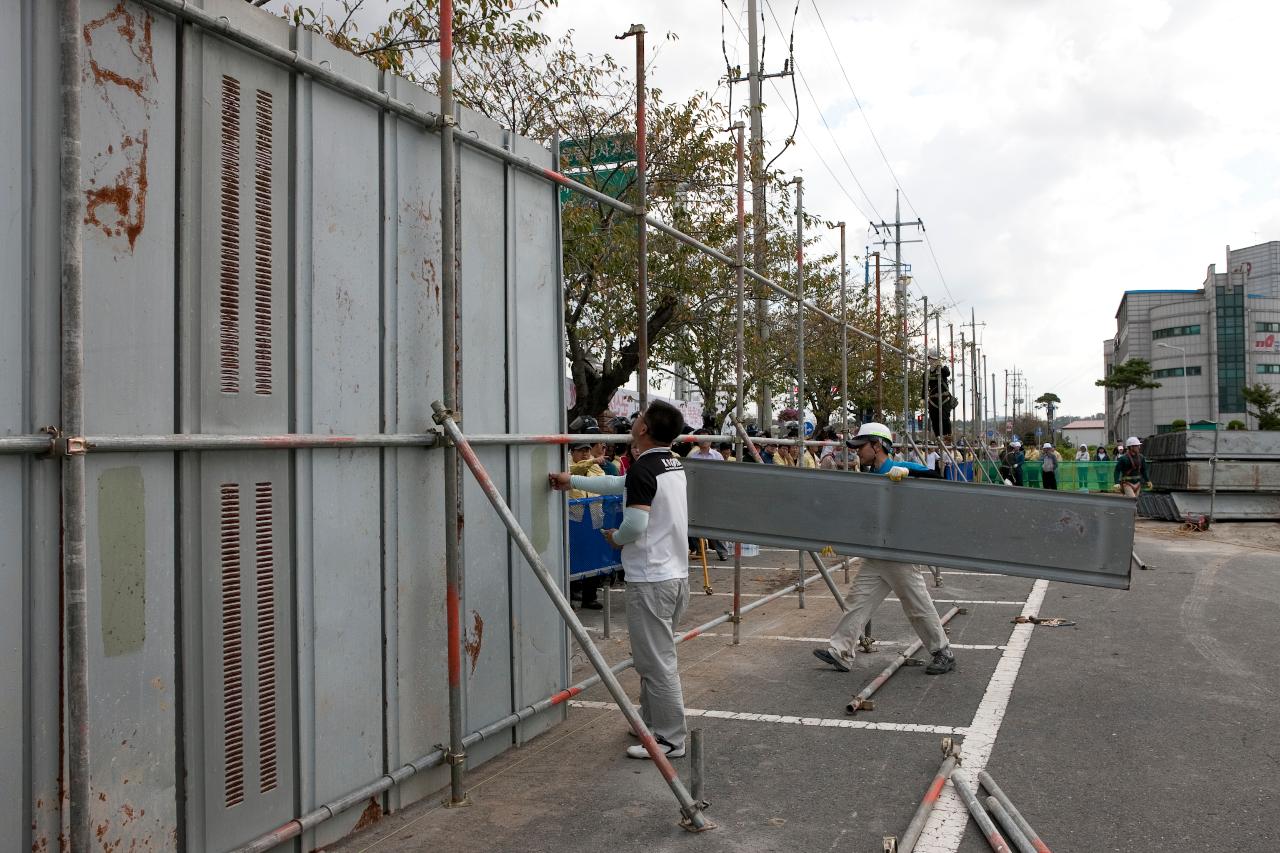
(654, 542)
(877, 578)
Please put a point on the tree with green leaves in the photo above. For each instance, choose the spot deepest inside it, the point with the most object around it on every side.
(1049, 402)
(1266, 405)
(1131, 375)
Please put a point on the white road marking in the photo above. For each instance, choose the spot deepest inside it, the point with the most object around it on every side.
(945, 829)
(817, 722)
(694, 593)
(967, 646)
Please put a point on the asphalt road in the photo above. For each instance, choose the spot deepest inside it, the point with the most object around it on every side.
(1147, 726)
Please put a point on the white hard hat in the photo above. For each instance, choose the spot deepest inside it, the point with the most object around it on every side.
(1017, 442)
(1132, 441)
(1047, 446)
(871, 431)
(934, 352)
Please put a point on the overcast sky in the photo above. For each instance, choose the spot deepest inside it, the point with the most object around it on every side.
(1059, 153)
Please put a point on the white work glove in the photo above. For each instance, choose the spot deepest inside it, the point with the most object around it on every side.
(897, 474)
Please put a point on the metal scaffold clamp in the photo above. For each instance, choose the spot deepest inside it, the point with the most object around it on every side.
(56, 446)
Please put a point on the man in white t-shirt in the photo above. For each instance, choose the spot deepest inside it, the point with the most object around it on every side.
(704, 450)
(654, 538)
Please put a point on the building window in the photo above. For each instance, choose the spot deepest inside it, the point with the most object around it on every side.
(1269, 368)
(1231, 346)
(1175, 332)
(1192, 370)
(1268, 327)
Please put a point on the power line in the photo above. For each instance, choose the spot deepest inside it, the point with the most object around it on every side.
(897, 183)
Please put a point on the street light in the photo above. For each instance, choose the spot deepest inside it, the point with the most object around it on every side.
(1186, 406)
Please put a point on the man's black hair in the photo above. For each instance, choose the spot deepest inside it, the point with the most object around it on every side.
(664, 421)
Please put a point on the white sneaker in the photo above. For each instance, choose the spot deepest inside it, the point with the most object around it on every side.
(638, 750)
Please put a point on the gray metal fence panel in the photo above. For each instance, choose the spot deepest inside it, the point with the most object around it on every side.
(127, 146)
(1062, 536)
(14, 735)
(536, 407)
(421, 671)
(482, 285)
(340, 306)
(261, 257)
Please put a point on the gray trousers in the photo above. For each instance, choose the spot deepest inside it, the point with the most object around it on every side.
(873, 583)
(653, 611)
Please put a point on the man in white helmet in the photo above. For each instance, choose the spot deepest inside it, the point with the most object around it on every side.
(877, 578)
(1131, 468)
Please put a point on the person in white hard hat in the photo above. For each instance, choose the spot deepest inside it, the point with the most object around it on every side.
(1049, 466)
(1131, 468)
(877, 578)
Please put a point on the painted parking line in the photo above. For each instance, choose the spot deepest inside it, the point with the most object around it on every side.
(694, 595)
(945, 829)
(782, 719)
(782, 638)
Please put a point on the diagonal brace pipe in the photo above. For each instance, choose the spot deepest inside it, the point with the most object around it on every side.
(693, 817)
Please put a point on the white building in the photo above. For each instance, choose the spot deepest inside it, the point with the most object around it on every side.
(1088, 432)
(1226, 335)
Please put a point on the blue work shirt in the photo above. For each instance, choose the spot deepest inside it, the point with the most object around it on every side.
(883, 470)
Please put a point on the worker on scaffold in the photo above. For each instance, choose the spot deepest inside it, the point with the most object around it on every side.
(654, 542)
(877, 578)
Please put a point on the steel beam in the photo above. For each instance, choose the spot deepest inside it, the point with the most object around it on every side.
(1061, 536)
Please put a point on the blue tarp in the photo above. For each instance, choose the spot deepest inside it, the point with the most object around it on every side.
(589, 553)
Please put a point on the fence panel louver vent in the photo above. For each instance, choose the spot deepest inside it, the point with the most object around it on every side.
(264, 560)
(232, 645)
(229, 239)
(262, 246)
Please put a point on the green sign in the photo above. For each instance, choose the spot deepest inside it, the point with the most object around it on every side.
(608, 150)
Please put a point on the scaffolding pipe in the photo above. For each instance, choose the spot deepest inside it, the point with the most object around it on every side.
(74, 582)
(693, 818)
(861, 702)
(739, 361)
(320, 72)
(289, 441)
(451, 355)
(912, 834)
(801, 450)
(10, 444)
(984, 778)
(1005, 822)
(831, 584)
(980, 817)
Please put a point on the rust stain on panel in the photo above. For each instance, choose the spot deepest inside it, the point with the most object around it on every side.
(371, 814)
(119, 53)
(475, 639)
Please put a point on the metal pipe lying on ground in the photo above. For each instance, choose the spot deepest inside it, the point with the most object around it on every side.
(861, 702)
(693, 818)
(1005, 822)
(984, 778)
(912, 834)
(980, 817)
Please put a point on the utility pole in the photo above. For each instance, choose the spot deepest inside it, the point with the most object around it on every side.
(964, 396)
(1007, 419)
(759, 225)
(924, 385)
(642, 225)
(844, 345)
(879, 348)
(900, 286)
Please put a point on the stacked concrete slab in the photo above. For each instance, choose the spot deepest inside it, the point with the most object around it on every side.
(1235, 476)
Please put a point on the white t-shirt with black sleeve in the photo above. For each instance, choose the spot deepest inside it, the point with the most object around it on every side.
(656, 479)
